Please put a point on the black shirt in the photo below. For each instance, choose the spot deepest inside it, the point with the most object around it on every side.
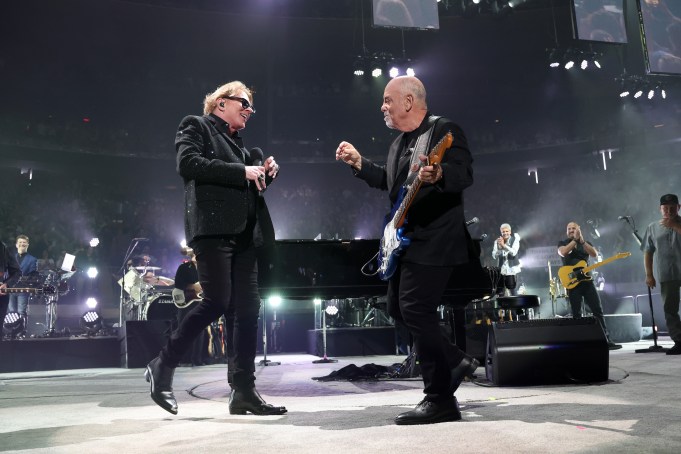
(576, 255)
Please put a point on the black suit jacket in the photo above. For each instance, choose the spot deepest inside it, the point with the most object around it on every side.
(435, 220)
(216, 191)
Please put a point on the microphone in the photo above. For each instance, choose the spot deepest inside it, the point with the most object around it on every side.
(140, 239)
(475, 220)
(483, 236)
(256, 156)
(626, 218)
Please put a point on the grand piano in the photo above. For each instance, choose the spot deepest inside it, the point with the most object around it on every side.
(332, 269)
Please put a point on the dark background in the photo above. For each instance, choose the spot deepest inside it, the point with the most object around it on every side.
(91, 94)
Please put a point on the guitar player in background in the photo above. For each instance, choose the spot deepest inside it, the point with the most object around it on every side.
(439, 237)
(572, 250)
(9, 273)
(187, 280)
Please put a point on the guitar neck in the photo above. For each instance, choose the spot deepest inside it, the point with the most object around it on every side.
(604, 262)
(401, 213)
(23, 290)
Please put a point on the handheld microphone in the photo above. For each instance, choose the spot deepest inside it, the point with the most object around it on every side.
(472, 221)
(257, 156)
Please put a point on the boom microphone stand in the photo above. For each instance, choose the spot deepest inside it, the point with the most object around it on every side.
(128, 253)
(653, 348)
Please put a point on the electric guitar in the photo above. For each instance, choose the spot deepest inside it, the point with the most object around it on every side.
(185, 298)
(394, 242)
(570, 276)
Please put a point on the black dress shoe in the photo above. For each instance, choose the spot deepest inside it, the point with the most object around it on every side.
(465, 368)
(161, 379)
(242, 401)
(613, 346)
(675, 350)
(430, 413)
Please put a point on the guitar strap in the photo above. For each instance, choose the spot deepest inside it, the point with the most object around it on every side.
(421, 147)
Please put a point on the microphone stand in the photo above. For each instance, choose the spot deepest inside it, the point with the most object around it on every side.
(128, 253)
(265, 361)
(325, 359)
(653, 348)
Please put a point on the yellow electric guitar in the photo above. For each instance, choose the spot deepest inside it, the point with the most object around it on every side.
(570, 276)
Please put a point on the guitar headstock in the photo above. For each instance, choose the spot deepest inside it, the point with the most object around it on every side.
(437, 153)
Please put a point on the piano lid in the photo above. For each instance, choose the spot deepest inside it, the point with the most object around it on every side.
(327, 269)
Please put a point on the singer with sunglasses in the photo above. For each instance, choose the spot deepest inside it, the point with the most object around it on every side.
(226, 220)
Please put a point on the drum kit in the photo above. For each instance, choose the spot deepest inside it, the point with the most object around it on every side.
(148, 296)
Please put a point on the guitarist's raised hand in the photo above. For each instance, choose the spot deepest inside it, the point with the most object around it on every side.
(347, 153)
(428, 173)
(3, 286)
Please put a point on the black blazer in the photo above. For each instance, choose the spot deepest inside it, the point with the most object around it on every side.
(435, 220)
(212, 165)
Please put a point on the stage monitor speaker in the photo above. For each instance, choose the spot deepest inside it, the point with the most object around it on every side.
(142, 340)
(547, 351)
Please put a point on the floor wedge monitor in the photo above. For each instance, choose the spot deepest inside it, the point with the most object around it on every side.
(546, 351)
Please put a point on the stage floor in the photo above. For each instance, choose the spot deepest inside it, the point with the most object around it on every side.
(108, 410)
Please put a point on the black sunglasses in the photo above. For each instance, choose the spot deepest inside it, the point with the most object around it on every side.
(245, 104)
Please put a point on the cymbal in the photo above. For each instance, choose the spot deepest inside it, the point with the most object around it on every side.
(159, 280)
(148, 268)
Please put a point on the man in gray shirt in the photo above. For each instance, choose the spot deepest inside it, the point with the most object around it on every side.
(663, 241)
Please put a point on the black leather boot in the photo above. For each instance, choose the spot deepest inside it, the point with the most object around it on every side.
(161, 379)
(248, 400)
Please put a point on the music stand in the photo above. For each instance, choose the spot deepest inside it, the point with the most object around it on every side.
(653, 348)
(325, 359)
(264, 361)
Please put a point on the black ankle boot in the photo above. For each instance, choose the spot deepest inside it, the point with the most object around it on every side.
(161, 379)
(248, 400)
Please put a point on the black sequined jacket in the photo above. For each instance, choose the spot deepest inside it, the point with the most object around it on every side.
(216, 191)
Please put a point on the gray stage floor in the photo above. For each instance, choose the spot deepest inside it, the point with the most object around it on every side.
(109, 410)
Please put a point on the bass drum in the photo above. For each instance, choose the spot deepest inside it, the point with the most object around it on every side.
(160, 307)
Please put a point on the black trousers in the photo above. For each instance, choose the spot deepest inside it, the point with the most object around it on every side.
(414, 294)
(586, 290)
(229, 278)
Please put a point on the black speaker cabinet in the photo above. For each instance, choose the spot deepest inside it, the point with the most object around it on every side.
(142, 340)
(547, 351)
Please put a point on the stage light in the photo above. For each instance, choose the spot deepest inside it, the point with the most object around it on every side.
(331, 310)
(585, 64)
(638, 93)
(394, 72)
(91, 322)
(597, 64)
(91, 302)
(13, 325)
(317, 302)
(554, 58)
(663, 93)
(94, 242)
(92, 272)
(376, 72)
(651, 93)
(275, 301)
(624, 93)
(411, 72)
(569, 64)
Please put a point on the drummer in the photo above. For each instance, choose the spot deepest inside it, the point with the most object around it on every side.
(148, 272)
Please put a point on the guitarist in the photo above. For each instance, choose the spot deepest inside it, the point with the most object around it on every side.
(572, 250)
(187, 280)
(439, 238)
